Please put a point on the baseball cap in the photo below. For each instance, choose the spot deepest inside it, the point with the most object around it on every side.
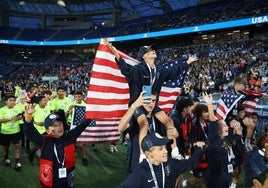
(51, 119)
(145, 49)
(153, 139)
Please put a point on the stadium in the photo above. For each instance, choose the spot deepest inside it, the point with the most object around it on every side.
(53, 43)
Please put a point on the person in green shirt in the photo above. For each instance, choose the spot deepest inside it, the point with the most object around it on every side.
(21, 103)
(10, 130)
(41, 112)
(79, 101)
(62, 102)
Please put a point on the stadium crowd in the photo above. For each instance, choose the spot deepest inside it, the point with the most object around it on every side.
(219, 64)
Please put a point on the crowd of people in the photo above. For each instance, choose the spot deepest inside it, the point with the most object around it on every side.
(213, 150)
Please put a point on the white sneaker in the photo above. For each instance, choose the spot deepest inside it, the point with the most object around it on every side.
(112, 148)
(18, 166)
(7, 162)
(115, 149)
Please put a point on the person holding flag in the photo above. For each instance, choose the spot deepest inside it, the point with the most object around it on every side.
(147, 72)
(234, 96)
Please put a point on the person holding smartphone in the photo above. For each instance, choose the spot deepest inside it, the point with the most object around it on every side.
(147, 72)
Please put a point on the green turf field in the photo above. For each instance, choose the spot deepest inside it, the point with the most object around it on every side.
(105, 170)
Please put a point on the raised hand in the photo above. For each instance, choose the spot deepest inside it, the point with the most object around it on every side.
(112, 48)
(207, 98)
(30, 109)
(192, 59)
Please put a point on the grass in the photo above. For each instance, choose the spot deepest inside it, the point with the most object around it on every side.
(104, 170)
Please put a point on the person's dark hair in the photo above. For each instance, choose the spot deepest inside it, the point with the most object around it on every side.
(240, 108)
(262, 177)
(155, 93)
(47, 91)
(196, 99)
(254, 114)
(8, 96)
(78, 93)
(60, 88)
(239, 80)
(183, 103)
(199, 109)
(261, 139)
(39, 98)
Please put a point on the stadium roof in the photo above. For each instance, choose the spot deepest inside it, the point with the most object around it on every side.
(126, 8)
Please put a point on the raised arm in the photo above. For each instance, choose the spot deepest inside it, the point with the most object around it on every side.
(28, 128)
(123, 124)
(113, 49)
(209, 101)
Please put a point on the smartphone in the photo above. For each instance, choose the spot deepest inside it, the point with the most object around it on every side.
(148, 92)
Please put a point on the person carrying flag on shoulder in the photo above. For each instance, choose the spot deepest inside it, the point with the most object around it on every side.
(147, 72)
(231, 99)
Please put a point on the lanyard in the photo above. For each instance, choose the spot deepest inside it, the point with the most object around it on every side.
(230, 153)
(152, 75)
(153, 174)
(203, 125)
(56, 154)
(153, 122)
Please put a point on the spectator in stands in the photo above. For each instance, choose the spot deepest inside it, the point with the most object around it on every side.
(9, 89)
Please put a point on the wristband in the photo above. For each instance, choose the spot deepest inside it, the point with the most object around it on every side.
(28, 116)
(210, 105)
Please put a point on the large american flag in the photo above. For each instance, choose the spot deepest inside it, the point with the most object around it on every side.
(230, 98)
(108, 91)
(98, 131)
(251, 99)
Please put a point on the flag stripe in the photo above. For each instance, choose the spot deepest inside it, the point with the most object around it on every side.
(230, 98)
(108, 93)
(121, 91)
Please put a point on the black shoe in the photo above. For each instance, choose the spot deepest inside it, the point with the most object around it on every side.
(31, 156)
(85, 162)
(94, 148)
